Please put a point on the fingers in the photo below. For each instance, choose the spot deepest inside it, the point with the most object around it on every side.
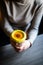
(17, 46)
(21, 46)
(19, 49)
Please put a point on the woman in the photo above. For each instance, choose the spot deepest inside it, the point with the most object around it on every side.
(22, 14)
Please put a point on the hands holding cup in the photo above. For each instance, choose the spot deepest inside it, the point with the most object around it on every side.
(18, 40)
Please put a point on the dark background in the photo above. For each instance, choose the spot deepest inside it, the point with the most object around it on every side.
(41, 27)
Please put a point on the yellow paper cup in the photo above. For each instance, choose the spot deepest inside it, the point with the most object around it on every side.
(18, 36)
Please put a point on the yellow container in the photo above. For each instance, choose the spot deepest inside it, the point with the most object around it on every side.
(18, 36)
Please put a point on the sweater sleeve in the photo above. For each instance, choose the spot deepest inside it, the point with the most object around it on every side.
(7, 28)
(4, 22)
(35, 24)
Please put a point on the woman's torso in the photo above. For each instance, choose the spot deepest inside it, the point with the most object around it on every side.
(22, 11)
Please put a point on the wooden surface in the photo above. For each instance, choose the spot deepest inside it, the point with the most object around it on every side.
(31, 56)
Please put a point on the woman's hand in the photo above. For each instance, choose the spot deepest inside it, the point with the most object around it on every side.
(22, 46)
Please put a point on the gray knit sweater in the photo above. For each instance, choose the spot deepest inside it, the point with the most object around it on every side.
(25, 15)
